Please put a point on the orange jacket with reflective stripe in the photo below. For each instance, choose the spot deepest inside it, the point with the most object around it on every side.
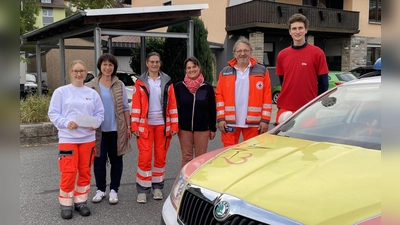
(259, 105)
(140, 105)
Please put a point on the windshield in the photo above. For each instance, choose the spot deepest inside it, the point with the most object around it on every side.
(346, 77)
(347, 115)
(126, 79)
(30, 78)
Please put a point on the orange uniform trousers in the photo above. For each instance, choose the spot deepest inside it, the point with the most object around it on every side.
(231, 138)
(75, 159)
(148, 176)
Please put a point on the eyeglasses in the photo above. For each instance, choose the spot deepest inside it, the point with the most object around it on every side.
(78, 71)
(154, 62)
(243, 51)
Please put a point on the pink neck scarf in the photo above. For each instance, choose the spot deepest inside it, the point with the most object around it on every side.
(193, 85)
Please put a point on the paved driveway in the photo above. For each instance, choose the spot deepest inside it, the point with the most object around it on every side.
(39, 183)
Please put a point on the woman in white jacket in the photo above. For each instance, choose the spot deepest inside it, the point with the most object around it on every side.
(76, 141)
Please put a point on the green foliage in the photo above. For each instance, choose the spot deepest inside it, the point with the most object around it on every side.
(175, 50)
(34, 109)
(92, 4)
(68, 12)
(27, 16)
(24, 60)
(152, 45)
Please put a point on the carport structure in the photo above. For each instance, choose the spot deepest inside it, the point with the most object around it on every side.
(112, 23)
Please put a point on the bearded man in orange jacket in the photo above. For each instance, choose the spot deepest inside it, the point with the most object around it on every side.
(243, 95)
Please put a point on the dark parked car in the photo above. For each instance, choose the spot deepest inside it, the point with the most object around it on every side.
(359, 71)
(377, 67)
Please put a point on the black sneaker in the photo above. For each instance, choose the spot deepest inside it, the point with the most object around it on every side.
(66, 214)
(83, 210)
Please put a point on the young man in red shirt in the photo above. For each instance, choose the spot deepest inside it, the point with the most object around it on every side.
(302, 69)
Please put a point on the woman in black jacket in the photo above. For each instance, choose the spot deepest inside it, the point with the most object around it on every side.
(196, 111)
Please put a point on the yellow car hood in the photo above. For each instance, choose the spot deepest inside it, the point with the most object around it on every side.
(310, 182)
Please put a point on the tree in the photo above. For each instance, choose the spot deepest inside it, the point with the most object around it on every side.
(27, 16)
(68, 12)
(175, 51)
(152, 45)
(92, 4)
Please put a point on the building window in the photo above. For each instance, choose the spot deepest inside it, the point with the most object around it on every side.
(375, 11)
(45, 1)
(47, 12)
(167, 3)
(373, 53)
(269, 54)
(47, 16)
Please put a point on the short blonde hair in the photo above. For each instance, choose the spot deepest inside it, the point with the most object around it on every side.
(73, 63)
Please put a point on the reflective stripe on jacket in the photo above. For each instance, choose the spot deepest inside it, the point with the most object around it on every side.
(260, 101)
(140, 105)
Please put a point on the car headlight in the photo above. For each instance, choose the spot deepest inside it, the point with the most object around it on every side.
(178, 187)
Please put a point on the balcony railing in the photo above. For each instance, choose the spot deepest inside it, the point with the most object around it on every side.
(275, 15)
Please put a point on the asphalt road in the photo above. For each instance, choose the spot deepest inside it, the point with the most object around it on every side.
(39, 187)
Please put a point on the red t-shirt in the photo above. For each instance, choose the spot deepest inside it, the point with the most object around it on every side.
(300, 68)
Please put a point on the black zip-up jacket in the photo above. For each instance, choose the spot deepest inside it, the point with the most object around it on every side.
(196, 112)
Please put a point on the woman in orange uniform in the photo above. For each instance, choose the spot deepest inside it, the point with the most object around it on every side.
(154, 122)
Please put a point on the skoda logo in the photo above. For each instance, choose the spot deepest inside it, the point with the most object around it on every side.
(221, 210)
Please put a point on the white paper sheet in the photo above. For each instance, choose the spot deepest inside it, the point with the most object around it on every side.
(87, 121)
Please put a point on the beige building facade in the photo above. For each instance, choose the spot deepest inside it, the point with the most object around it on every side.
(349, 31)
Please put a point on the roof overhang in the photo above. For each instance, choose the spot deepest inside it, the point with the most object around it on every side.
(83, 23)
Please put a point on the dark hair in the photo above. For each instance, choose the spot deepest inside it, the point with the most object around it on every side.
(154, 54)
(107, 57)
(192, 59)
(298, 17)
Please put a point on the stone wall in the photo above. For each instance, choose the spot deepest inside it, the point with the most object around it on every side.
(257, 42)
(37, 134)
(354, 52)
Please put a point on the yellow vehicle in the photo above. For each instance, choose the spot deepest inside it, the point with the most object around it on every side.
(322, 165)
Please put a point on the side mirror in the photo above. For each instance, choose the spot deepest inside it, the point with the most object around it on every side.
(329, 101)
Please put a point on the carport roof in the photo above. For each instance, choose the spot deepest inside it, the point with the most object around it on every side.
(138, 18)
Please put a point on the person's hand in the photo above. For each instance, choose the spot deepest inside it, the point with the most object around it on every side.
(72, 125)
(222, 126)
(263, 127)
(92, 128)
(173, 133)
(212, 135)
(136, 133)
(129, 134)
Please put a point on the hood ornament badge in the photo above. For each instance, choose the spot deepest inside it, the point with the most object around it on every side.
(221, 210)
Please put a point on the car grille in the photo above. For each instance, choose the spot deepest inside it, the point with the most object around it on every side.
(197, 211)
